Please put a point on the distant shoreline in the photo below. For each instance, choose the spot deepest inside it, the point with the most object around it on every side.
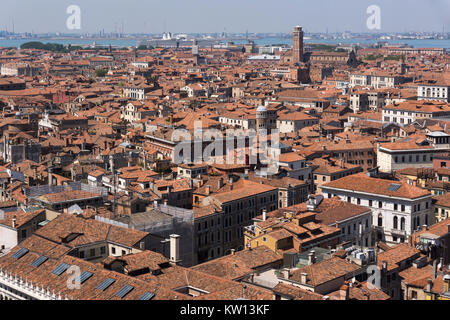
(134, 42)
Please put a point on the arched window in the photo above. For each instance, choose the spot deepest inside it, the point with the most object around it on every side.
(416, 222)
(380, 220)
(395, 222)
(402, 223)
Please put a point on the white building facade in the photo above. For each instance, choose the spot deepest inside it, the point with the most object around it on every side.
(395, 218)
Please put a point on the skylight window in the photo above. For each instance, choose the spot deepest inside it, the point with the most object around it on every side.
(147, 296)
(394, 187)
(124, 291)
(84, 276)
(106, 284)
(19, 254)
(36, 263)
(60, 269)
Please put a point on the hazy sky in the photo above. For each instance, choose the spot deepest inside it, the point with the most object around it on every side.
(153, 16)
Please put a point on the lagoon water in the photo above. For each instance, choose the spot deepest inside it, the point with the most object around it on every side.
(264, 41)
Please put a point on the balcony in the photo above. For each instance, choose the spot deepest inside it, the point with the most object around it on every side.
(398, 232)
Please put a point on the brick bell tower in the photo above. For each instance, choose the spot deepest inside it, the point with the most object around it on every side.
(297, 50)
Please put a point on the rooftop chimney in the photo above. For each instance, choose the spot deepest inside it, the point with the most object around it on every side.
(220, 183)
(14, 222)
(311, 257)
(175, 248)
(303, 277)
(49, 176)
(311, 203)
(264, 214)
(233, 252)
(429, 285)
(208, 190)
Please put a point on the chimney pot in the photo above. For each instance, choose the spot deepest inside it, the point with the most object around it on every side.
(175, 248)
(287, 273)
(429, 285)
(311, 257)
(303, 277)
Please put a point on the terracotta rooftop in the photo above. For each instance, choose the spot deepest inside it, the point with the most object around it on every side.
(68, 195)
(84, 231)
(324, 271)
(360, 182)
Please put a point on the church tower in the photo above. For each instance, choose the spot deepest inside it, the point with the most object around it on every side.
(194, 47)
(297, 50)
